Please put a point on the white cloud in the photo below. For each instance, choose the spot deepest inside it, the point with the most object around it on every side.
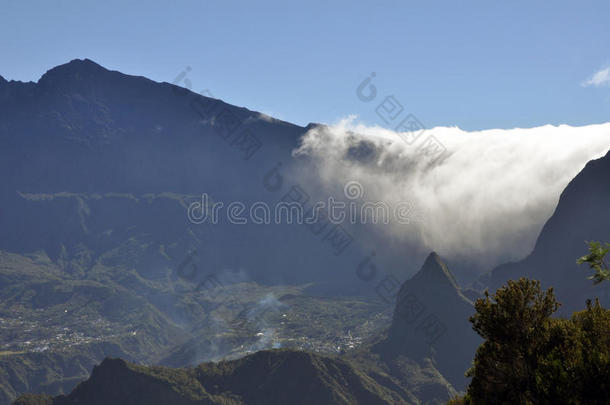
(486, 199)
(600, 78)
(261, 117)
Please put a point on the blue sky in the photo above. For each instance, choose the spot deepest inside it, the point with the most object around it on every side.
(476, 65)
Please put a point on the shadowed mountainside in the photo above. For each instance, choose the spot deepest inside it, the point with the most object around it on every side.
(431, 321)
(267, 377)
(429, 344)
(581, 215)
(94, 158)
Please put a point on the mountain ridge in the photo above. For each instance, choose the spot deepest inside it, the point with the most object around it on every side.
(100, 172)
(304, 378)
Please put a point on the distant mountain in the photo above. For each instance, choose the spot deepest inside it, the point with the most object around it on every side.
(85, 153)
(97, 255)
(83, 128)
(581, 215)
(92, 159)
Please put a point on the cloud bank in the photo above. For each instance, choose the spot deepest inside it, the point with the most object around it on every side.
(484, 199)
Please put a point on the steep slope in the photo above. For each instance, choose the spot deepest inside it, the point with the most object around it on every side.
(92, 159)
(267, 377)
(108, 141)
(122, 133)
(430, 323)
(581, 215)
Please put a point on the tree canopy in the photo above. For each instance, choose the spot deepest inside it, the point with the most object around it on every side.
(528, 357)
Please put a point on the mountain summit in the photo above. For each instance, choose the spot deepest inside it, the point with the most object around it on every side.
(435, 274)
(75, 70)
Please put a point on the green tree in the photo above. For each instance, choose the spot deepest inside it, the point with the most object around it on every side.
(596, 261)
(593, 373)
(528, 357)
(514, 324)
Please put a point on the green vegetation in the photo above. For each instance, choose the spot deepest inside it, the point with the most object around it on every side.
(54, 327)
(596, 261)
(530, 358)
(227, 324)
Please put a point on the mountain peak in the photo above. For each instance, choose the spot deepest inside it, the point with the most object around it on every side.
(112, 363)
(435, 272)
(76, 69)
(433, 256)
(81, 62)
